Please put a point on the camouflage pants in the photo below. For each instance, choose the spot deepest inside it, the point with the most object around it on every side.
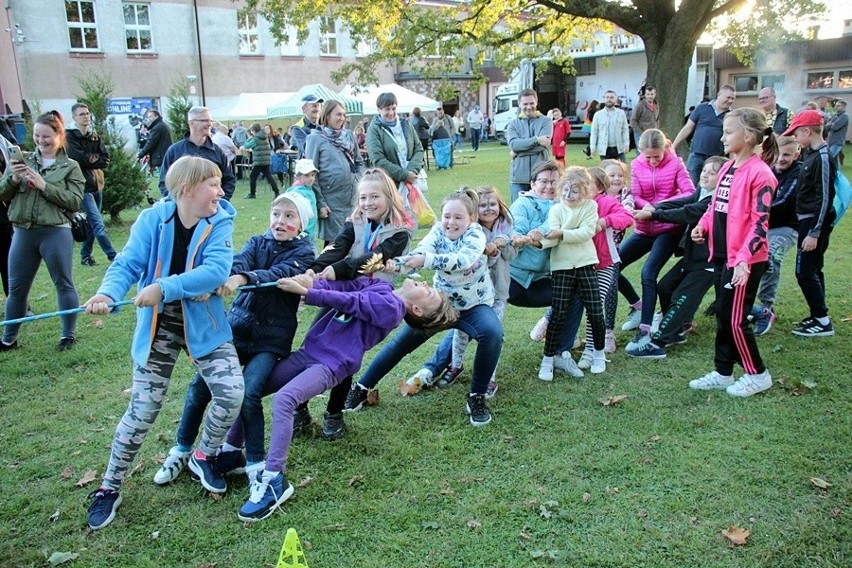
(220, 370)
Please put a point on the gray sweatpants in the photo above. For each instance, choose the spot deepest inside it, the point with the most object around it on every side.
(55, 246)
(220, 370)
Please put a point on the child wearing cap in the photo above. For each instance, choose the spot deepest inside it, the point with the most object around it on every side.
(263, 322)
(816, 214)
(303, 184)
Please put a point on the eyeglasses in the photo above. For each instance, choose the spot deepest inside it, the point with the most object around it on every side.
(543, 181)
(202, 120)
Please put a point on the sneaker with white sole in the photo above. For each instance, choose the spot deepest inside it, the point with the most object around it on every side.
(598, 363)
(648, 350)
(266, 494)
(208, 474)
(812, 328)
(545, 371)
(585, 361)
(763, 320)
(634, 318)
(655, 323)
(232, 462)
(609, 342)
(640, 339)
(748, 385)
(566, 363)
(170, 470)
(105, 502)
(356, 398)
(539, 331)
(712, 380)
(477, 408)
(491, 390)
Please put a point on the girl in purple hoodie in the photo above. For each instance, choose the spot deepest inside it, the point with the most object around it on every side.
(656, 175)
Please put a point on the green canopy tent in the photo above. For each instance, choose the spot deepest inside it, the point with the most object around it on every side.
(292, 107)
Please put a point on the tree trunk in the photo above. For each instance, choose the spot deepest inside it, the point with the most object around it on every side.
(668, 70)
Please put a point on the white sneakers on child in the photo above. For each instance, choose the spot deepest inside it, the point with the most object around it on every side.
(545, 371)
(634, 318)
(712, 380)
(594, 361)
(174, 464)
(566, 363)
(748, 385)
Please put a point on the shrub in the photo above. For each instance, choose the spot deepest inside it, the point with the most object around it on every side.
(178, 107)
(125, 182)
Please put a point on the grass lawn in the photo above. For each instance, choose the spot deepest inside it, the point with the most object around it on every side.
(556, 479)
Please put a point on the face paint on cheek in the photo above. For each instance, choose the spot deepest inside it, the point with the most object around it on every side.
(290, 227)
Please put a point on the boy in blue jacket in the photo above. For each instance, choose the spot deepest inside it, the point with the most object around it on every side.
(178, 252)
(264, 323)
(361, 313)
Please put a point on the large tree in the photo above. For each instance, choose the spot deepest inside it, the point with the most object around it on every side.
(413, 32)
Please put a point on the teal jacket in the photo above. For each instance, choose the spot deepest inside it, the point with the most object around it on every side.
(146, 259)
(30, 207)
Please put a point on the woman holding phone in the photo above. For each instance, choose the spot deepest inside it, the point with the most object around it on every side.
(42, 187)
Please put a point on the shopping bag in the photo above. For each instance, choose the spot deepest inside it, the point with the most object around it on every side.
(415, 201)
(842, 196)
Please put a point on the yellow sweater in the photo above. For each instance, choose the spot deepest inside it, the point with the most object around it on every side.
(575, 249)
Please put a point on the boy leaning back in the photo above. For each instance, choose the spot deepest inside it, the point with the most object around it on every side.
(179, 251)
(816, 214)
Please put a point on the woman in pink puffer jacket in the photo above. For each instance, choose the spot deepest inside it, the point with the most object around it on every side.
(656, 175)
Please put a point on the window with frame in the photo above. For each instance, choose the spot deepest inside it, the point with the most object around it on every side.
(365, 48)
(247, 30)
(817, 80)
(137, 27)
(844, 79)
(82, 25)
(328, 35)
(291, 47)
(753, 82)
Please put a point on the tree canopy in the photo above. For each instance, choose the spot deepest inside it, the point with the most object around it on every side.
(462, 34)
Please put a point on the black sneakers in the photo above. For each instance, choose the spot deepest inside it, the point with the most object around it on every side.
(8, 347)
(65, 344)
(301, 422)
(88, 261)
(477, 407)
(333, 426)
(231, 463)
(355, 399)
(810, 327)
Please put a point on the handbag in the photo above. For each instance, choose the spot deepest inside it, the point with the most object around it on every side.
(422, 182)
(79, 225)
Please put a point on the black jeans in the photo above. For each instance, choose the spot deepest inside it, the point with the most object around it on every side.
(264, 171)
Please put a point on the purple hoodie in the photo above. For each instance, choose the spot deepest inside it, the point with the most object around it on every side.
(362, 312)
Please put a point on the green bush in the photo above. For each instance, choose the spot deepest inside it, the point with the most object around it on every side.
(125, 183)
(178, 107)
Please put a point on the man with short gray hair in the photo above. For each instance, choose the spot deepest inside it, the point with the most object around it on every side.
(777, 117)
(199, 143)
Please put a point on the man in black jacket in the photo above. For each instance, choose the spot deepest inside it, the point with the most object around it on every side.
(159, 140)
(86, 148)
(199, 143)
(683, 288)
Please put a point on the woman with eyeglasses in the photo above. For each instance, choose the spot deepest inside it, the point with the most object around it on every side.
(43, 189)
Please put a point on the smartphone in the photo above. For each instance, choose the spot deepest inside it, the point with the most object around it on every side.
(15, 154)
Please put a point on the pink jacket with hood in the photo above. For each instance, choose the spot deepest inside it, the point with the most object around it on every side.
(617, 218)
(650, 184)
(749, 202)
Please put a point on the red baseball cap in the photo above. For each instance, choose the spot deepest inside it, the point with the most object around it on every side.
(804, 118)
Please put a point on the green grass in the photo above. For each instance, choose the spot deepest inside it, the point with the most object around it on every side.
(664, 471)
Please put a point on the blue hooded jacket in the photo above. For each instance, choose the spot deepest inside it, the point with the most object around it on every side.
(146, 259)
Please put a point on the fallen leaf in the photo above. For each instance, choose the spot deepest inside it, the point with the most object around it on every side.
(355, 479)
(430, 525)
(836, 512)
(409, 389)
(736, 535)
(87, 478)
(305, 482)
(544, 512)
(372, 398)
(587, 497)
(306, 544)
(643, 513)
(470, 479)
(154, 535)
(67, 473)
(127, 390)
(163, 437)
(446, 491)
(613, 400)
(98, 323)
(205, 565)
(58, 558)
(821, 483)
(524, 534)
(52, 518)
(846, 318)
(693, 520)
(612, 490)
(335, 527)
(159, 458)
(215, 496)
(507, 438)
(473, 524)
(138, 467)
(655, 438)
(82, 441)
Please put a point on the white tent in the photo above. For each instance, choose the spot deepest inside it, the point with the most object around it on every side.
(249, 106)
(406, 98)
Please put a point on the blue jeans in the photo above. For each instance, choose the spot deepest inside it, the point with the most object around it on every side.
(474, 138)
(517, 188)
(92, 202)
(834, 150)
(781, 240)
(457, 141)
(659, 249)
(256, 369)
(694, 165)
(479, 322)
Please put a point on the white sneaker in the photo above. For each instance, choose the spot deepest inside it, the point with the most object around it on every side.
(634, 318)
(565, 363)
(655, 323)
(609, 345)
(175, 463)
(641, 338)
(585, 361)
(540, 330)
(748, 385)
(598, 363)
(545, 372)
(712, 380)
